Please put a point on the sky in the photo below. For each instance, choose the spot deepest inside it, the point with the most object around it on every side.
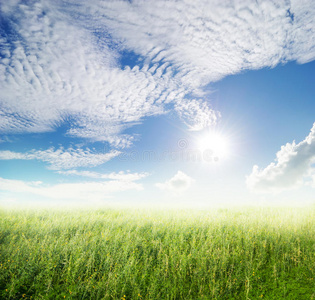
(185, 103)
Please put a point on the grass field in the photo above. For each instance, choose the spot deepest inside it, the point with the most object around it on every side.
(263, 253)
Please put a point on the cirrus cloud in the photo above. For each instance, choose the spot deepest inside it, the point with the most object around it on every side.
(125, 176)
(62, 159)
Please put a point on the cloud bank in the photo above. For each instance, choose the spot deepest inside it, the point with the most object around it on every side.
(66, 62)
(85, 191)
(294, 167)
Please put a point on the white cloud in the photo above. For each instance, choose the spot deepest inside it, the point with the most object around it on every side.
(206, 40)
(69, 191)
(125, 176)
(60, 60)
(179, 183)
(293, 167)
(197, 115)
(52, 71)
(62, 159)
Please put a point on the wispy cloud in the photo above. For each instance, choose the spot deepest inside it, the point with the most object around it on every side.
(124, 176)
(61, 60)
(5, 139)
(85, 191)
(180, 182)
(62, 158)
(293, 167)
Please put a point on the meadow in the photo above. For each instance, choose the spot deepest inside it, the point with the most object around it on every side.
(248, 253)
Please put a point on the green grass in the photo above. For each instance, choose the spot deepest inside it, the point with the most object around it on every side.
(150, 254)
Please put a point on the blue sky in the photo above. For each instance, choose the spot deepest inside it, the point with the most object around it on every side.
(157, 102)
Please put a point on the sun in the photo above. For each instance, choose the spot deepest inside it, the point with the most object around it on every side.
(215, 143)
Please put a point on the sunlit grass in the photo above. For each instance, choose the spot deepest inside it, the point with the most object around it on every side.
(150, 254)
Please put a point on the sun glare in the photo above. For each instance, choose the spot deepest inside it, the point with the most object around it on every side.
(214, 142)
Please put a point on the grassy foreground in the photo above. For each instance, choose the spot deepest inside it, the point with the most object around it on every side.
(122, 254)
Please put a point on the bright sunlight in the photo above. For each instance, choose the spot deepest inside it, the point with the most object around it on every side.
(215, 142)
